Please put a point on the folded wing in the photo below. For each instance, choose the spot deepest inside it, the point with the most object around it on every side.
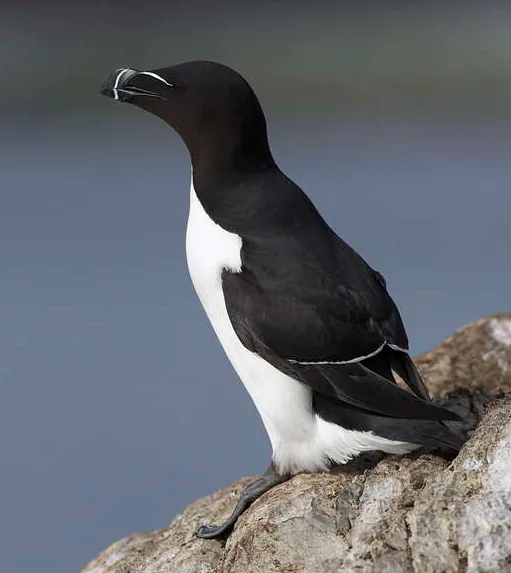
(341, 343)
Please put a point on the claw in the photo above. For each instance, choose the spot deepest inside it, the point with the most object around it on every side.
(210, 531)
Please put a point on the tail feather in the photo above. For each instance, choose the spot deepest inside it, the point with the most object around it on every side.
(456, 439)
(430, 433)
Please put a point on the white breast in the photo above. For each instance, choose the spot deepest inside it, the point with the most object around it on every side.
(300, 440)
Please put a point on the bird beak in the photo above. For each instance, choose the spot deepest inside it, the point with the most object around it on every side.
(121, 86)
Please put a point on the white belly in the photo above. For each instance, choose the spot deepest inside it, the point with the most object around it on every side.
(301, 441)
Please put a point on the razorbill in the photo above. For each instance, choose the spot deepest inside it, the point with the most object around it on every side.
(307, 324)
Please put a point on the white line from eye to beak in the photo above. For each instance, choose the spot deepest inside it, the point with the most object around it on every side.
(117, 79)
(156, 76)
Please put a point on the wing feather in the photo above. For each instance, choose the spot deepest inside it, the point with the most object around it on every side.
(285, 330)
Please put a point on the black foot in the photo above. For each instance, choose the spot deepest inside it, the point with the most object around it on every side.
(253, 490)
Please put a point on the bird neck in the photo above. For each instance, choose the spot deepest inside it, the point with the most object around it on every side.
(229, 155)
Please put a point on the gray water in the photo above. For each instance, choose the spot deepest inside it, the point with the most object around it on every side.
(119, 407)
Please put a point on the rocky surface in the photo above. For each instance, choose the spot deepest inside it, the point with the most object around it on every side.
(478, 355)
(421, 513)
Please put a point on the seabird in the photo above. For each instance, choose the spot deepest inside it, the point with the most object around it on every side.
(307, 324)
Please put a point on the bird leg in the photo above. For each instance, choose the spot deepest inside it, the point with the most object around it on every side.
(251, 492)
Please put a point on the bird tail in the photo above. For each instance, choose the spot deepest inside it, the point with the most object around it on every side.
(425, 432)
(437, 435)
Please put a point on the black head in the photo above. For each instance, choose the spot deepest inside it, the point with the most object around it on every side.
(211, 107)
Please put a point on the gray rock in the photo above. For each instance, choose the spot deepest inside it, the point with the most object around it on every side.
(420, 513)
(123, 552)
(477, 355)
(461, 520)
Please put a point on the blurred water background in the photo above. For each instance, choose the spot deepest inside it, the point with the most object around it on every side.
(118, 406)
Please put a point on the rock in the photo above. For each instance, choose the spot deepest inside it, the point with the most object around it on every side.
(477, 355)
(461, 520)
(124, 551)
(421, 513)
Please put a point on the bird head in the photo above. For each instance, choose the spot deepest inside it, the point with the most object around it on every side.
(209, 105)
